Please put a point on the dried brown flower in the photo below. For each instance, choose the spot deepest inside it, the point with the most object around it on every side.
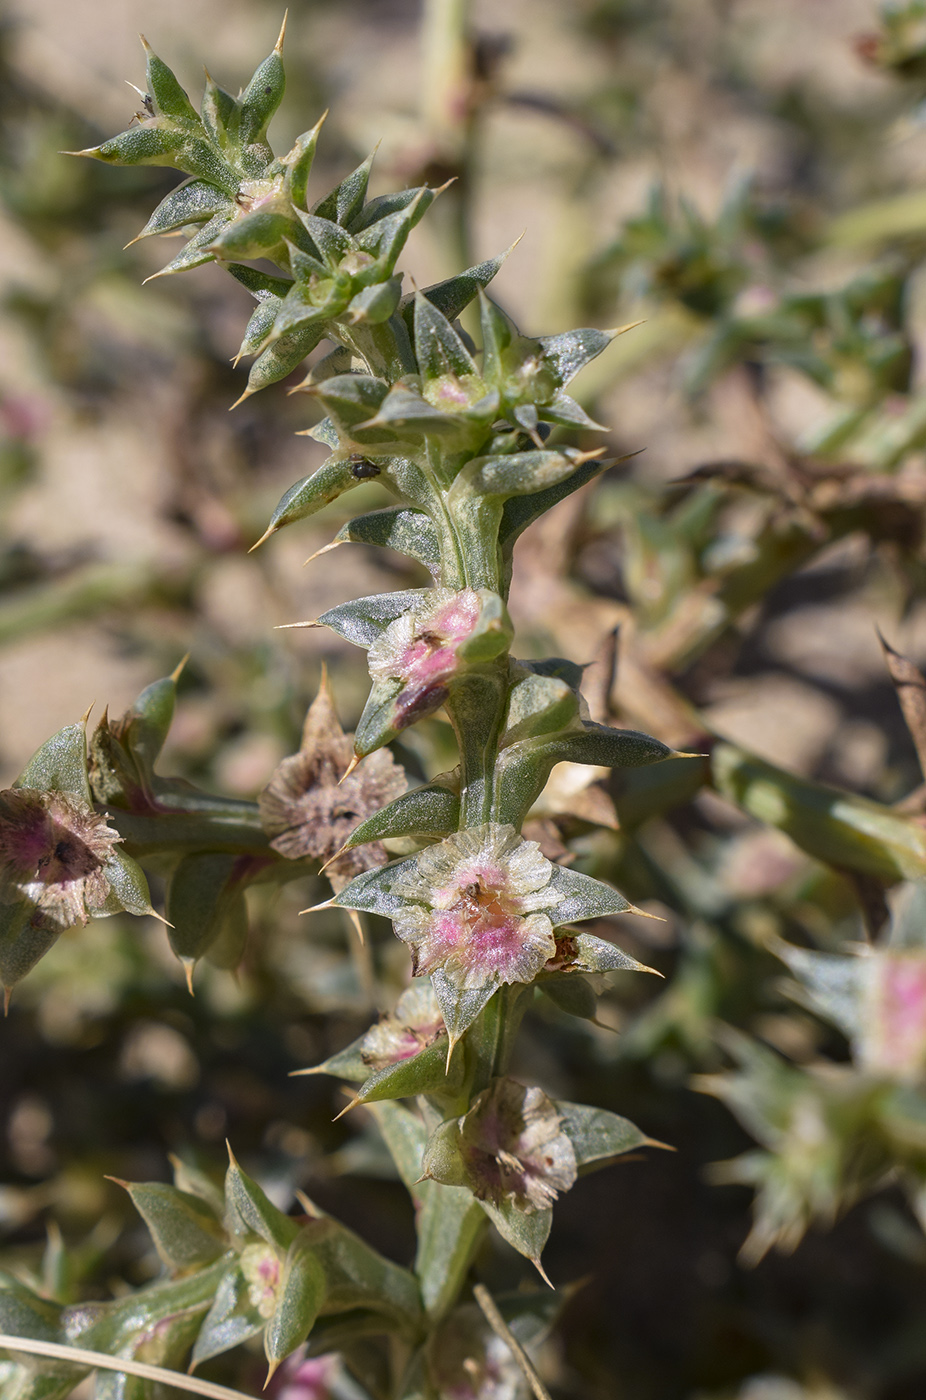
(309, 808)
(514, 1148)
(53, 851)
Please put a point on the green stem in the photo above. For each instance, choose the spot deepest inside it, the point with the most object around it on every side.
(477, 706)
(493, 1036)
(187, 831)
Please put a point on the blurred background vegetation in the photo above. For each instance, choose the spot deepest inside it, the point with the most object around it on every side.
(747, 178)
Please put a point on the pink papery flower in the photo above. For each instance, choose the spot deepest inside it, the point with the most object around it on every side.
(514, 1149)
(262, 1270)
(420, 648)
(893, 1036)
(477, 908)
(302, 1378)
(415, 1024)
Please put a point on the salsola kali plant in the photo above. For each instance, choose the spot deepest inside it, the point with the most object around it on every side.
(459, 437)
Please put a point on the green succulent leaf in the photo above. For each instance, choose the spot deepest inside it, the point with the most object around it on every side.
(249, 1211)
(598, 1136)
(374, 304)
(283, 356)
(401, 528)
(186, 1233)
(156, 142)
(24, 1314)
(169, 96)
(260, 99)
(450, 1226)
(22, 944)
(313, 493)
(346, 1064)
(565, 412)
(438, 348)
(521, 511)
(592, 954)
(298, 166)
(574, 995)
(199, 248)
(219, 113)
(128, 887)
(332, 241)
(385, 206)
(498, 331)
(351, 399)
(453, 295)
(357, 1276)
(517, 473)
(386, 236)
(460, 1006)
(424, 1073)
(371, 891)
(526, 1233)
(524, 767)
(832, 984)
(60, 765)
(259, 327)
(538, 704)
(264, 233)
(583, 897)
(301, 1296)
(571, 351)
(201, 893)
(194, 1182)
(193, 202)
(344, 203)
(430, 810)
(363, 620)
(231, 1319)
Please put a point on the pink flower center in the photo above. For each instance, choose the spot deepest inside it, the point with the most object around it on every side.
(899, 1040)
(478, 921)
(431, 657)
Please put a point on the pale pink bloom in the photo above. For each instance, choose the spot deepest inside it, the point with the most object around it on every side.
(302, 1378)
(893, 1036)
(514, 1149)
(262, 1271)
(415, 1024)
(477, 907)
(419, 648)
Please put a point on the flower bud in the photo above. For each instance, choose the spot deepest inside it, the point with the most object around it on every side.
(416, 657)
(509, 1149)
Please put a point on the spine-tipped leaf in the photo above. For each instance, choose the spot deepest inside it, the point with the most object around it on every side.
(313, 493)
(169, 96)
(345, 201)
(365, 619)
(193, 202)
(260, 99)
(400, 528)
(430, 810)
(454, 294)
(438, 348)
(301, 1296)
